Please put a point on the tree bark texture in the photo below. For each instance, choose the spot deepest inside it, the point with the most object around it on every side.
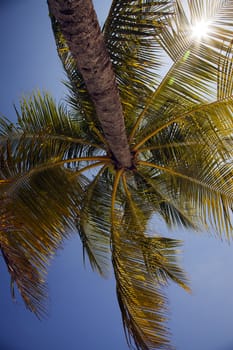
(80, 27)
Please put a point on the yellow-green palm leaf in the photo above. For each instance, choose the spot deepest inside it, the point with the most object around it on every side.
(179, 127)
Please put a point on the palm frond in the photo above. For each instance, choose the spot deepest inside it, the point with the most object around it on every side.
(129, 32)
(39, 214)
(163, 202)
(204, 159)
(204, 195)
(45, 135)
(225, 74)
(27, 271)
(173, 38)
(137, 214)
(41, 116)
(141, 300)
(194, 76)
(93, 223)
(211, 123)
(160, 254)
(178, 38)
(142, 265)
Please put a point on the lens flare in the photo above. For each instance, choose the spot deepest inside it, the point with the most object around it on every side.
(200, 29)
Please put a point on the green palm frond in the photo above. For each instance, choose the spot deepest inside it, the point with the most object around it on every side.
(26, 270)
(143, 265)
(45, 135)
(177, 37)
(41, 116)
(204, 129)
(194, 76)
(56, 168)
(93, 223)
(37, 215)
(130, 30)
(194, 147)
(141, 268)
(164, 202)
(160, 255)
(208, 124)
(141, 300)
(207, 9)
(173, 38)
(206, 199)
(137, 214)
(42, 182)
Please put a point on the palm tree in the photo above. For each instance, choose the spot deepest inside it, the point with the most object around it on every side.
(60, 166)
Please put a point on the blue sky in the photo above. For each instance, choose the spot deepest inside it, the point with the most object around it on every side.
(83, 312)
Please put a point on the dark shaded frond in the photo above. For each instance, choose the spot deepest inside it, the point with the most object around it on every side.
(26, 273)
(37, 215)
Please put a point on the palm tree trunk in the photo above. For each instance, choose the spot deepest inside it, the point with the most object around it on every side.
(80, 27)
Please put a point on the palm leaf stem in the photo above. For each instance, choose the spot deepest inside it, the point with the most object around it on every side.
(185, 177)
(5, 181)
(114, 192)
(170, 145)
(83, 235)
(65, 161)
(128, 194)
(132, 206)
(78, 141)
(88, 167)
(22, 178)
(51, 137)
(100, 136)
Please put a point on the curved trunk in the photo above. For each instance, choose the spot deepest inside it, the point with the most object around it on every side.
(81, 29)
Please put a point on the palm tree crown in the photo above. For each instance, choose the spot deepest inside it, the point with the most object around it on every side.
(59, 165)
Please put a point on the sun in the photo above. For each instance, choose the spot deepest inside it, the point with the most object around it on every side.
(200, 29)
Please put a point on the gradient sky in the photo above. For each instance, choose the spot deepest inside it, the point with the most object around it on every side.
(83, 311)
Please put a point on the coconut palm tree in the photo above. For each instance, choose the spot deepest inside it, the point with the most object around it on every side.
(135, 141)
